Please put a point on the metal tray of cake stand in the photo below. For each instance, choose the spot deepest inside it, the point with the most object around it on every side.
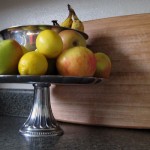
(41, 121)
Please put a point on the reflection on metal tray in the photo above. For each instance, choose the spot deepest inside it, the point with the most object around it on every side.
(26, 35)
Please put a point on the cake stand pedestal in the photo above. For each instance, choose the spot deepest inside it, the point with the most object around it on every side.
(41, 121)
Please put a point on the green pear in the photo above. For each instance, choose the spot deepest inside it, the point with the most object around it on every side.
(10, 54)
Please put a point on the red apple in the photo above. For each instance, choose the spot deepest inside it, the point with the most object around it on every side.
(77, 61)
(103, 65)
(71, 39)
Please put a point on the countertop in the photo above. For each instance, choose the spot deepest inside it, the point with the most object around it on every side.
(79, 137)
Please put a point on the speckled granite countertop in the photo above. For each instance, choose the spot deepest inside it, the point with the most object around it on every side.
(76, 137)
(16, 102)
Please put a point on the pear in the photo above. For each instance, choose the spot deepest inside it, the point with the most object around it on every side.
(10, 54)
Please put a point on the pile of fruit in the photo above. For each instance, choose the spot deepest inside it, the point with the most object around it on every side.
(63, 53)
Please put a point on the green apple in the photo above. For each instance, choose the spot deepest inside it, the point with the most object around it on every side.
(10, 54)
(103, 65)
(71, 39)
(77, 61)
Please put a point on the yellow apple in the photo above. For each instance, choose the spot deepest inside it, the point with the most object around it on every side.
(103, 65)
(77, 61)
(49, 43)
(32, 63)
(10, 54)
(71, 39)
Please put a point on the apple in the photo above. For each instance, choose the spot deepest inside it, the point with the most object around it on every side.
(72, 38)
(49, 43)
(103, 65)
(10, 54)
(77, 61)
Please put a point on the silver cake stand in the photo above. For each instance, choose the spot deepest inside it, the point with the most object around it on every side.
(41, 121)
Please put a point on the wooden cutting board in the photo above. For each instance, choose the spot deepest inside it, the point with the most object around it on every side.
(124, 99)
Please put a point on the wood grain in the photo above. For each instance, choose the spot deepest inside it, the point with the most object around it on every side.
(123, 100)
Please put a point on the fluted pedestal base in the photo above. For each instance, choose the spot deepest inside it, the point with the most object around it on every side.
(41, 121)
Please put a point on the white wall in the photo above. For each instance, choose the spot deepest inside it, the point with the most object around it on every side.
(21, 12)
